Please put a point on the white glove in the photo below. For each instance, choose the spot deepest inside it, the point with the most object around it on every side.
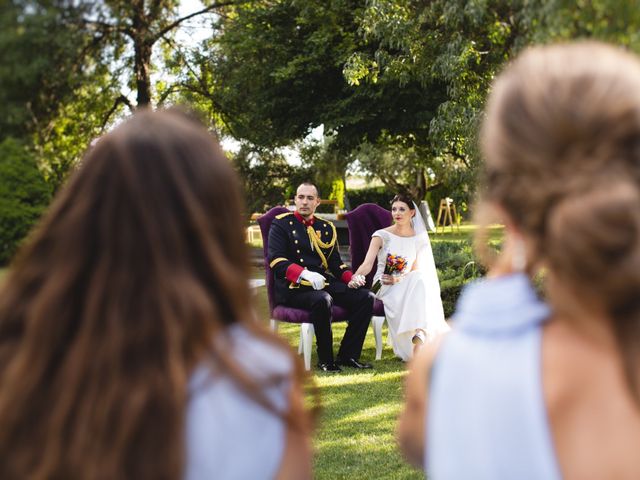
(357, 281)
(317, 281)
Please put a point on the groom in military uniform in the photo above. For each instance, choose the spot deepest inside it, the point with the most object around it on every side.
(309, 274)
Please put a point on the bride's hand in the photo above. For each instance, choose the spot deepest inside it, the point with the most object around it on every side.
(386, 279)
(357, 281)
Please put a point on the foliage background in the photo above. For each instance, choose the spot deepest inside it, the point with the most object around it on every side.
(24, 195)
(397, 87)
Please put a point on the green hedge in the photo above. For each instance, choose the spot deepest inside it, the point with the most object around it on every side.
(379, 195)
(457, 266)
(24, 195)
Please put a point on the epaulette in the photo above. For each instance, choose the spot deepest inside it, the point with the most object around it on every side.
(282, 215)
(323, 220)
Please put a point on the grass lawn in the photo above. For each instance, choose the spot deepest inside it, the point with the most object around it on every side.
(356, 434)
(464, 233)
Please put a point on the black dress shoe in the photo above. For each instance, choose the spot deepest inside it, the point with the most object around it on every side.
(329, 367)
(353, 363)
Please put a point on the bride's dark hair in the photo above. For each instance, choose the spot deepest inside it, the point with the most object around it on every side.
(139, 263)
(405, 198)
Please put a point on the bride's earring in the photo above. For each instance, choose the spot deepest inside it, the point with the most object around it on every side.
(519, 259)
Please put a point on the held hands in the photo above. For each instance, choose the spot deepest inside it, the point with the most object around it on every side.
(357, 281)
(316, 280)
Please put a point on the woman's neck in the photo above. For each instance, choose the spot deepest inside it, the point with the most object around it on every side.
(403, 230)
(582, 315)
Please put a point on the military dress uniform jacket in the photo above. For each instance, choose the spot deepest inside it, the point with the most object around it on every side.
(296, 244)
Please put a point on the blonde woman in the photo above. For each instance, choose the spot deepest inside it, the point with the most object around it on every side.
(521, 388)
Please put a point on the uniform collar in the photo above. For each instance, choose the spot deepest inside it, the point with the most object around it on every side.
(306, 223)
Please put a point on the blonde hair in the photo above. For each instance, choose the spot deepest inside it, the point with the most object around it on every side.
(561, 140)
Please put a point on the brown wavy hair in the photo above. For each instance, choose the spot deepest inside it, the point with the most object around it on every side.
(561, 142)
(138, 265)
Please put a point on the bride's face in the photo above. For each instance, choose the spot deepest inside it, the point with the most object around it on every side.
(401, 213)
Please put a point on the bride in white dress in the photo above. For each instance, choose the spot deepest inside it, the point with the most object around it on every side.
(411, 297)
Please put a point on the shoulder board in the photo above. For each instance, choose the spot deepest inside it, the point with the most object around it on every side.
(282, 215)
(323, 220)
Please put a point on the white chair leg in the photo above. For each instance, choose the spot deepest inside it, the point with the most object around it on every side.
(301, 342)
(376, 323)
(274, 325)
(306, 331)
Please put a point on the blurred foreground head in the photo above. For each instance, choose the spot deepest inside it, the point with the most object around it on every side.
(116, 296)
(561, 142)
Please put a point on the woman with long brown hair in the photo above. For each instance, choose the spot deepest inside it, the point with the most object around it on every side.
(528, 389)
(128, 345)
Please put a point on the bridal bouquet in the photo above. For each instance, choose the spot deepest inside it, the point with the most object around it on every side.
(395, 264)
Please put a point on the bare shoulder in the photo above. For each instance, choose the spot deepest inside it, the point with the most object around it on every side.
(383, 232)
(585, 391)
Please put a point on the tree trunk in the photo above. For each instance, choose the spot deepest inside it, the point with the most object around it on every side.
(142, 72)
(419, 189)
(142, 48)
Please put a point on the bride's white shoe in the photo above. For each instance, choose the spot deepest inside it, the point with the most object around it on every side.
(419, 337)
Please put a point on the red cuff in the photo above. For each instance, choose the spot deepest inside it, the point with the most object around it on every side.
(346, 276)
(293, 272)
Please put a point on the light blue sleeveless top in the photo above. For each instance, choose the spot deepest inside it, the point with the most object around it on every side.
(229, 435)
(486, 414)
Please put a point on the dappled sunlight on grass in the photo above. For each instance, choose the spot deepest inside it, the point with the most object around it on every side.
(357, 378)
(374, 412)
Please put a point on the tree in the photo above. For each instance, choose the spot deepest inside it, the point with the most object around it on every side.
(397, 84)
(65, 63)
(23, 196)
(460, 44)
(276, 70)
(45, 60)
(464, 44)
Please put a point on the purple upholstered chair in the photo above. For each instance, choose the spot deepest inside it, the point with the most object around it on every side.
(289, 314)
(362, 222)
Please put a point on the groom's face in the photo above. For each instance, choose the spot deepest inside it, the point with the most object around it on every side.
(306, 200)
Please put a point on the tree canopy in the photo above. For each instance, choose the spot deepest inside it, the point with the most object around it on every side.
(397, 85)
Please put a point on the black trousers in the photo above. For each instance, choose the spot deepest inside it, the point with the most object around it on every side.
(359, 304)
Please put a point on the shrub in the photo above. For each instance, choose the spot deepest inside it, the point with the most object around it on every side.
(378, 195)
(24, 195)
(456, 265)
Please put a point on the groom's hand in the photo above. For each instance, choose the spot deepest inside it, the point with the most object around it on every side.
(316, 280)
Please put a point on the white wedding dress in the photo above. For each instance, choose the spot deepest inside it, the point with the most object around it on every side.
(414, 302)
